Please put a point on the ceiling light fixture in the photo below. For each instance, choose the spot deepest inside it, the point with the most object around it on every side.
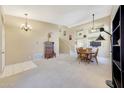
(25, 26)
(93, 29)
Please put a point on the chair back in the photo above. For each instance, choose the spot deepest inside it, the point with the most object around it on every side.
(96, 53)
(77, 50)
(81, 50)
(89, 49)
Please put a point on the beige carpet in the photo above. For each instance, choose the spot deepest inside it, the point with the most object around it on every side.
(62, 72)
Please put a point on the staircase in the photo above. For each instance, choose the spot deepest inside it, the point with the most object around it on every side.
(65, 46)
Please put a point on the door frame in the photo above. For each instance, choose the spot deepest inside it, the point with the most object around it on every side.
(3, 40)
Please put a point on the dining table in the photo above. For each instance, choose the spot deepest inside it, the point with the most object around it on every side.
(88, 54)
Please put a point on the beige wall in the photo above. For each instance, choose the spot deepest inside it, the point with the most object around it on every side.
(104, 50)
(22, 46)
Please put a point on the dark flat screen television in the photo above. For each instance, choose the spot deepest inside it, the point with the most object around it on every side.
(95, 44)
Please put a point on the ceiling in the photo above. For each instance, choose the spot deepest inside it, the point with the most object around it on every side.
(69, 15)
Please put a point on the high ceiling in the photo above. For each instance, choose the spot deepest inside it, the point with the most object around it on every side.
(69, 15)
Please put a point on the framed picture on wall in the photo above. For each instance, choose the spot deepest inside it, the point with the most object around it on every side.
(80, 34)
(64, 33)
(70, 37)
(95, 44)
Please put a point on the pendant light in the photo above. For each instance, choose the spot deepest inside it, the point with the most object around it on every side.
(93, 28)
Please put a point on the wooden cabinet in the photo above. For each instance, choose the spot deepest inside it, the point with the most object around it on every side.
(49, 50)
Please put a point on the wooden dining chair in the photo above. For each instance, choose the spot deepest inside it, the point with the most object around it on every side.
(95, 55)
(82, 56)
(77, 50)
(89, 56)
